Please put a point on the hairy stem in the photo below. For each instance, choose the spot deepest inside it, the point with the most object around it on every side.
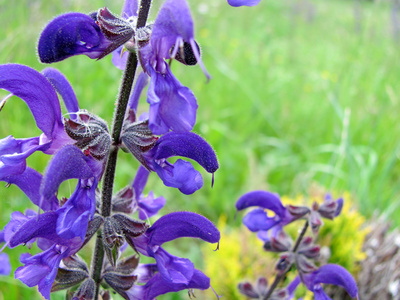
(279, 277)
(109, 173)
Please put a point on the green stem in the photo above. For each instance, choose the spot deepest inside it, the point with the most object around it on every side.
(109, 173)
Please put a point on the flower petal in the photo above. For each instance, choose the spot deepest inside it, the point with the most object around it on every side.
(174, 21)
(69, 162)
(140, 181)
(64, 88)
(257, 220)
(75, 213)
(181, 175)
(141, 82)
(149, 206)
(182, 224)
(130, 9)
(337, 275)
(188, 145)
(158, 286)
(30, 228)
(263, 199)
(172, 105)
(41, 270)
(29, 182)
(36, 91)
(5, 266)
(71, 34)
(13, 154)
(174, 269)
(237, 3)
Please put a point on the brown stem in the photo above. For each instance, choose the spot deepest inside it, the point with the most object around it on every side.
(282, 275)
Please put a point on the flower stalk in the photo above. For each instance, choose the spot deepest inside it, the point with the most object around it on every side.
(282, 275)
(109, 175)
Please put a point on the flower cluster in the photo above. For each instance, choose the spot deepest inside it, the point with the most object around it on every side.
(83, 148)
(302, 253)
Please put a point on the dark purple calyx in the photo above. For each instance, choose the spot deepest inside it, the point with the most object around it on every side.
(90, 133)
(87, 290)
(122, 200)
(137, 138)
(72, 272)
(116, 29)
(120, 282)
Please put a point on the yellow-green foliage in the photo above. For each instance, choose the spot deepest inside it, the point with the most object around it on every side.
(241, 256)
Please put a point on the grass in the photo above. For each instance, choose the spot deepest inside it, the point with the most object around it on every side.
(303, 95)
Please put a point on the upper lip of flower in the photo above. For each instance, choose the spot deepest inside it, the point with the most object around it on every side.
(40, 96)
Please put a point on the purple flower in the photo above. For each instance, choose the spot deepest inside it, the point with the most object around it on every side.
(181, 174)
(172, 106)
(237, 3)
(5, 266)
(95, 35)
(175, 270)
(157, 285)
(71, 34)
(41, 269)
(60, 232)
(258, 219)
(29, 182)
(148, 205)
(42, 100)
(172, 34)
(329, 274)
(18, 219)
(74, 215)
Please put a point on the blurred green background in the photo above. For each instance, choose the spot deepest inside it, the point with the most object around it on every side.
(304, 95)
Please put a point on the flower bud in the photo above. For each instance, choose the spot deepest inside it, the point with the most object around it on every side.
(120, 282)
(123, 200)
(246, 288)
(112, 239)
(71, 272)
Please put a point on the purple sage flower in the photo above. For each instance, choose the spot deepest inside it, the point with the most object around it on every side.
(42, 100)
(237, 3)
(71, 34)
(328, 274)
(148, 205)
(5, 266)
(173, 269)
(258, 219)
(181, 174)
(41, 269)
(157, 285)
(172, 106)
